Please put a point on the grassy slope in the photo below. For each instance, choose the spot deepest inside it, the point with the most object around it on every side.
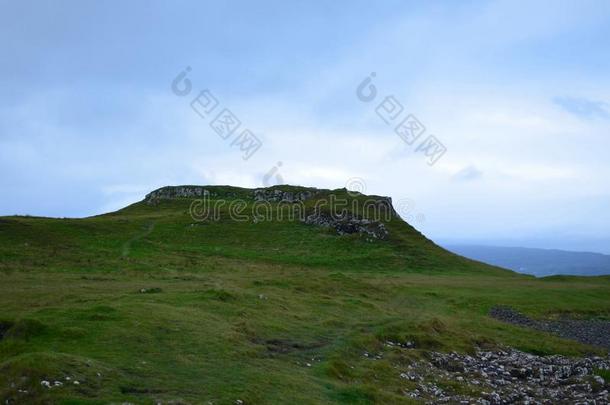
(238, 310)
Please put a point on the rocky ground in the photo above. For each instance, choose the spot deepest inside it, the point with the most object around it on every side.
(485, 378)
(592, 332)
(506, 377)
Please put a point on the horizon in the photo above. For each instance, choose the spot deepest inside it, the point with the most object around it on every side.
(95, 111)
(446, 244)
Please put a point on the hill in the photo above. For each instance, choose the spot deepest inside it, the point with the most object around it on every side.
(538, 262)
(227, 295)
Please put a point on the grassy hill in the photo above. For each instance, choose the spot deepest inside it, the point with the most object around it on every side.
(148, 304)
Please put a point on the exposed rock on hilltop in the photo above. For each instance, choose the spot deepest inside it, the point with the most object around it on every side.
(348, 224)
(271, 194)
(278, 195)
(171, 192)
(346, 213)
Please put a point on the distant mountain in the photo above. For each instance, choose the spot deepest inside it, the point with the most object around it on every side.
(538, 262)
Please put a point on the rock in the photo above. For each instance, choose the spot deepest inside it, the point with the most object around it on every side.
(541, 379)
(279, 195)
(170, 192)
(347, 223)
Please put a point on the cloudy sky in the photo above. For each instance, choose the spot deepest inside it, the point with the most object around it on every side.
(517, 92)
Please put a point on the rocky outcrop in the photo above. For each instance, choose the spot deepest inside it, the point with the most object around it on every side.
(171, 192)
(346, 223)
(270, 194)
(344, 212)
(278, 195)
(261, 194)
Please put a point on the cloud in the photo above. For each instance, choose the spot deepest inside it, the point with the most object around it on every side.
(468, 173)
(583, 107)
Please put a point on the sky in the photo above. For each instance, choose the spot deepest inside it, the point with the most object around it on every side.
(93, 114)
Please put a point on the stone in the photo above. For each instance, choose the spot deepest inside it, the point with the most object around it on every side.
(171, 192)
(346, 223)
(278, 195)
(555, 386)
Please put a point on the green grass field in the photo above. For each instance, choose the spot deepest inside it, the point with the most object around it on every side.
(145, 305)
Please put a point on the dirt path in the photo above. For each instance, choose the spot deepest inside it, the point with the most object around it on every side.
(127, 245)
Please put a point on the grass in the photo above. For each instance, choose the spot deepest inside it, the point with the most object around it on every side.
(145, 305)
